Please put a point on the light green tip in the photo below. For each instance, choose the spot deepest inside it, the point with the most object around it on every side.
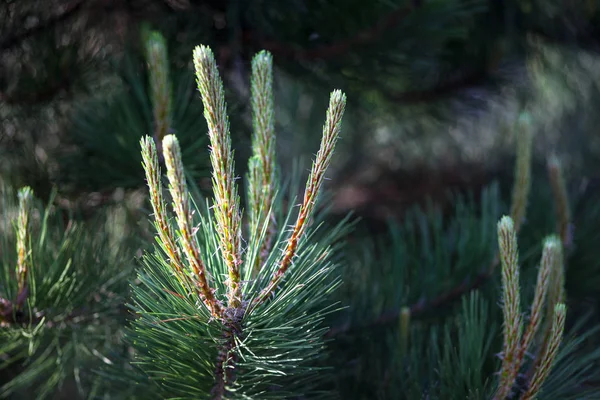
(169, 142)
(506, 224)
(552, 243)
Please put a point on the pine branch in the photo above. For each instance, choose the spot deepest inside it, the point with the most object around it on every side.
(226, 202)
(261, 167)
(163, 227)
(23, 251)
(507, 242)
(548, 356)
(331, 130)
(181, 205)
(250, 341)
(64, 295)
(550, 252)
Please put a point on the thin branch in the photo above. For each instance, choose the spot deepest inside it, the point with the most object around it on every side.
(261, 176)
(226, 200)
(331, 131)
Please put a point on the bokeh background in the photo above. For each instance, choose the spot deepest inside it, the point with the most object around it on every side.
(435, 90)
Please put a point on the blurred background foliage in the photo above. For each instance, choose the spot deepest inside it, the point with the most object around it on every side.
(435, 87)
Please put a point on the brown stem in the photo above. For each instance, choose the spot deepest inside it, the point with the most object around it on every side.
(227, 359)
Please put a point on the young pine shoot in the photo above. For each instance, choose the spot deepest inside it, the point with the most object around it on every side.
(220, 315)
(518, 341)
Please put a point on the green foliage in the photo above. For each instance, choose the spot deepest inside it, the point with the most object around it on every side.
(422, 264)
(69, 315)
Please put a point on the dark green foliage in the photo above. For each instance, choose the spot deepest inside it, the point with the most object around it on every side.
(72, 315)
(405, 334)
(420, 266)
(106, 131)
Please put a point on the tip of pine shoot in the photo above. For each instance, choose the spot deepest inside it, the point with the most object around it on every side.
(25, 194)
(202, 55)
(337, 96)
(170, 142)
(560, 309)
(506, 224)
(263, 57)
(552, 243)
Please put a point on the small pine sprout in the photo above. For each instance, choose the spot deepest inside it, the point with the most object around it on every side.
(181, 205)
(331, 130)
(549, 353)
(507, 242)
(25, 198)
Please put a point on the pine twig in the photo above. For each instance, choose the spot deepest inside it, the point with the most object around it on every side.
(507, 241)
(181, 204)
(163, 227)
(549, 353)
(22, 270)
(226, 200)
(261, 175)
(331, 130)
(550, 253)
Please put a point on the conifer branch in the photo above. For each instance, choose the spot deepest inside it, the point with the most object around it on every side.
(181, 205)
(331, 130)
(549, 353)
(160, 85)
(23, 251)
(261, 176)
(226, 200)
(550, 252)
(507, 242)
(561, 200)
(556, 295)
(163, 227)
(522, 184)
